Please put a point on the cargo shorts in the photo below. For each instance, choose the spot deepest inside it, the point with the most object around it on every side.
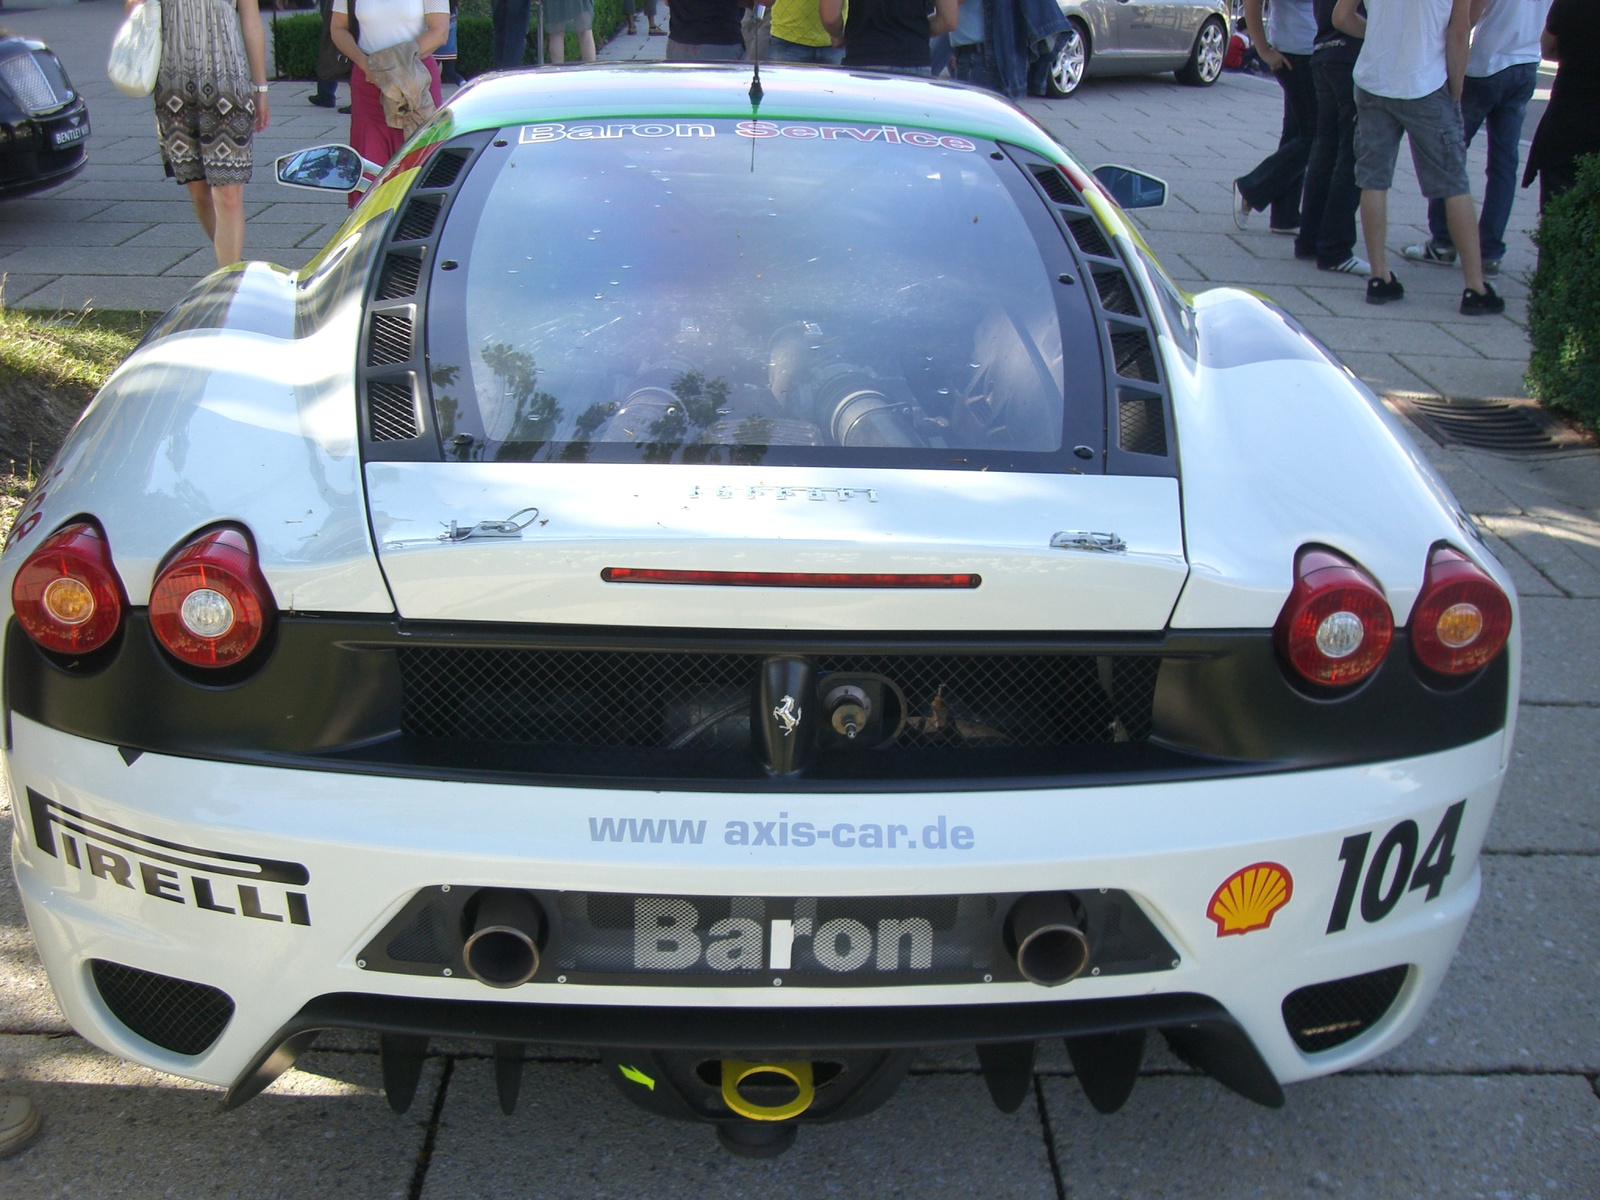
(1438, 144)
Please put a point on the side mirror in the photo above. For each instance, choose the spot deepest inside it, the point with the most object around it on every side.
(333, 168)
(1130, 188)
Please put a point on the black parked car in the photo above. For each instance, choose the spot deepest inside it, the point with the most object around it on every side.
(44, 123)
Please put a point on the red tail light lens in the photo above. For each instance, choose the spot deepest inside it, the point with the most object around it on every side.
(67, 595)
(1462, 618)
(210, 604)
(1336, 626)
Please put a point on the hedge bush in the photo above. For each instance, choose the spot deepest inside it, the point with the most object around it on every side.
(294, 45)
(297, 38)
(1564, 301)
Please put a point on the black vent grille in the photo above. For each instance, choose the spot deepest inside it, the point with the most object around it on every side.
(420, 215)
(1326, 1015)
(1133, 355)
(1141, 423)
(675, 701)
(400, 275)
(1089, 237)
(391, 412)
(1116, 294)
(174, 1014)
(1055, 185)
(391, 340)
(446, 166)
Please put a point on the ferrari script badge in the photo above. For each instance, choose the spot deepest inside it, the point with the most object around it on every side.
(1249, 898)
(787, 715)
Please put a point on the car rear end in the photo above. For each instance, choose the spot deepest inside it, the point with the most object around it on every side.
(798, 654)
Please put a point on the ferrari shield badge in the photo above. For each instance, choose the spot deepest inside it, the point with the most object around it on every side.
(1250, 897)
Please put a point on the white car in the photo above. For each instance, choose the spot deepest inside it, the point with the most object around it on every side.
(760, 592)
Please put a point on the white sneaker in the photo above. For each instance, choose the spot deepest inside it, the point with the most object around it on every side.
(1431, 252)
(1241, 209)
(1351, 266)
(19, 1121)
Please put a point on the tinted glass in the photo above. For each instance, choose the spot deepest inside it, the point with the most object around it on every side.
(748, 292)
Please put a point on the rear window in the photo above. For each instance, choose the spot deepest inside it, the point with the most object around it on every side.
(756, 293)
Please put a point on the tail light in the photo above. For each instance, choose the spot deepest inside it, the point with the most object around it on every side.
(66, 594)
(210, 604)
(1461, 619)
(1336, 626)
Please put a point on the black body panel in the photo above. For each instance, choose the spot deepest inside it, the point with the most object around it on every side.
(328, 695)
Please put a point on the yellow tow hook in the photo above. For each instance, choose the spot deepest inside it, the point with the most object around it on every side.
(735, 1073)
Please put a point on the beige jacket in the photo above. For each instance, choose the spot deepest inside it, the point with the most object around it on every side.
(397, 72)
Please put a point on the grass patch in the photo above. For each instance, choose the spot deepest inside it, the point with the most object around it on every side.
(51, 365)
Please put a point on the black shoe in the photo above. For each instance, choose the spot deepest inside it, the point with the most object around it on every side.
(1381, 291)
(320, 102)
(344, 110)
(1475, 304)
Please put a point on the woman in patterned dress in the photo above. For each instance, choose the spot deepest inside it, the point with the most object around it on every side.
(211, 99)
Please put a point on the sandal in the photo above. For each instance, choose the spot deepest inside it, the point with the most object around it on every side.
(633, 24)
(656, 30)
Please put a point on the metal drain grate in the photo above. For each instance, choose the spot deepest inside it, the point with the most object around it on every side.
(1509, 426)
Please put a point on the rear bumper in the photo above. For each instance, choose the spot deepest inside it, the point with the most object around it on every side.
(356, 848)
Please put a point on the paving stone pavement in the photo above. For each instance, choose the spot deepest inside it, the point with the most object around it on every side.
(1493, 1097)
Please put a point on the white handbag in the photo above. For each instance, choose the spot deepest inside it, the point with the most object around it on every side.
(136, 51)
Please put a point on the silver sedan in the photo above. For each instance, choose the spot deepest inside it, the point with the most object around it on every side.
(1140, 37)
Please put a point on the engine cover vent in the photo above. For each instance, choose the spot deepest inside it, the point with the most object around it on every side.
(1135, 357)
(391, 411)
(1141, 422)
(420, 216)
(391, 340)
(175, 1014)
(1086, 232)
(446, 166)
(1055, 185)
(400, 275)
(1116, 294)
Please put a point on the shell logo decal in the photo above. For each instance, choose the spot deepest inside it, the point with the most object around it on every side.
(1250, 897)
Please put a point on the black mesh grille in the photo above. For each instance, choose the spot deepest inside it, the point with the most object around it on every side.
(1133, 355)
(174, 1014)
(446, 166)
(391, 412)
(669, 700)
(1329, 1014)
(390, 341)
(1055, 185)
(426, 940)
(1089, 238)
(1116, 295)
(1141, 423)
(418, 220)
(400, 275)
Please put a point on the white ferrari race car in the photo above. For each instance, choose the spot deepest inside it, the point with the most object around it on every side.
(759, 578)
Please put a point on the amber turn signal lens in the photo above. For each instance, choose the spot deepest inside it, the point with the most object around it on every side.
(1462, 618)
(67, 596)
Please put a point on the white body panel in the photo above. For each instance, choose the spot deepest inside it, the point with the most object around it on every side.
(593, 516)
(227, 424)
(370, 843)
(1282, 448)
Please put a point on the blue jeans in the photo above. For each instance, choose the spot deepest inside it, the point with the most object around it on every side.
(783, 50)
(1500, 100)
(1278, 179)
(1328, 204)
(510, 38)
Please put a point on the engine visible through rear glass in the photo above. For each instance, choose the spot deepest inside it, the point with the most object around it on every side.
(684, 291)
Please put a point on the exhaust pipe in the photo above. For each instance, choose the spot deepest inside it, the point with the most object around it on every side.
(502, 947)
(1045, 930)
